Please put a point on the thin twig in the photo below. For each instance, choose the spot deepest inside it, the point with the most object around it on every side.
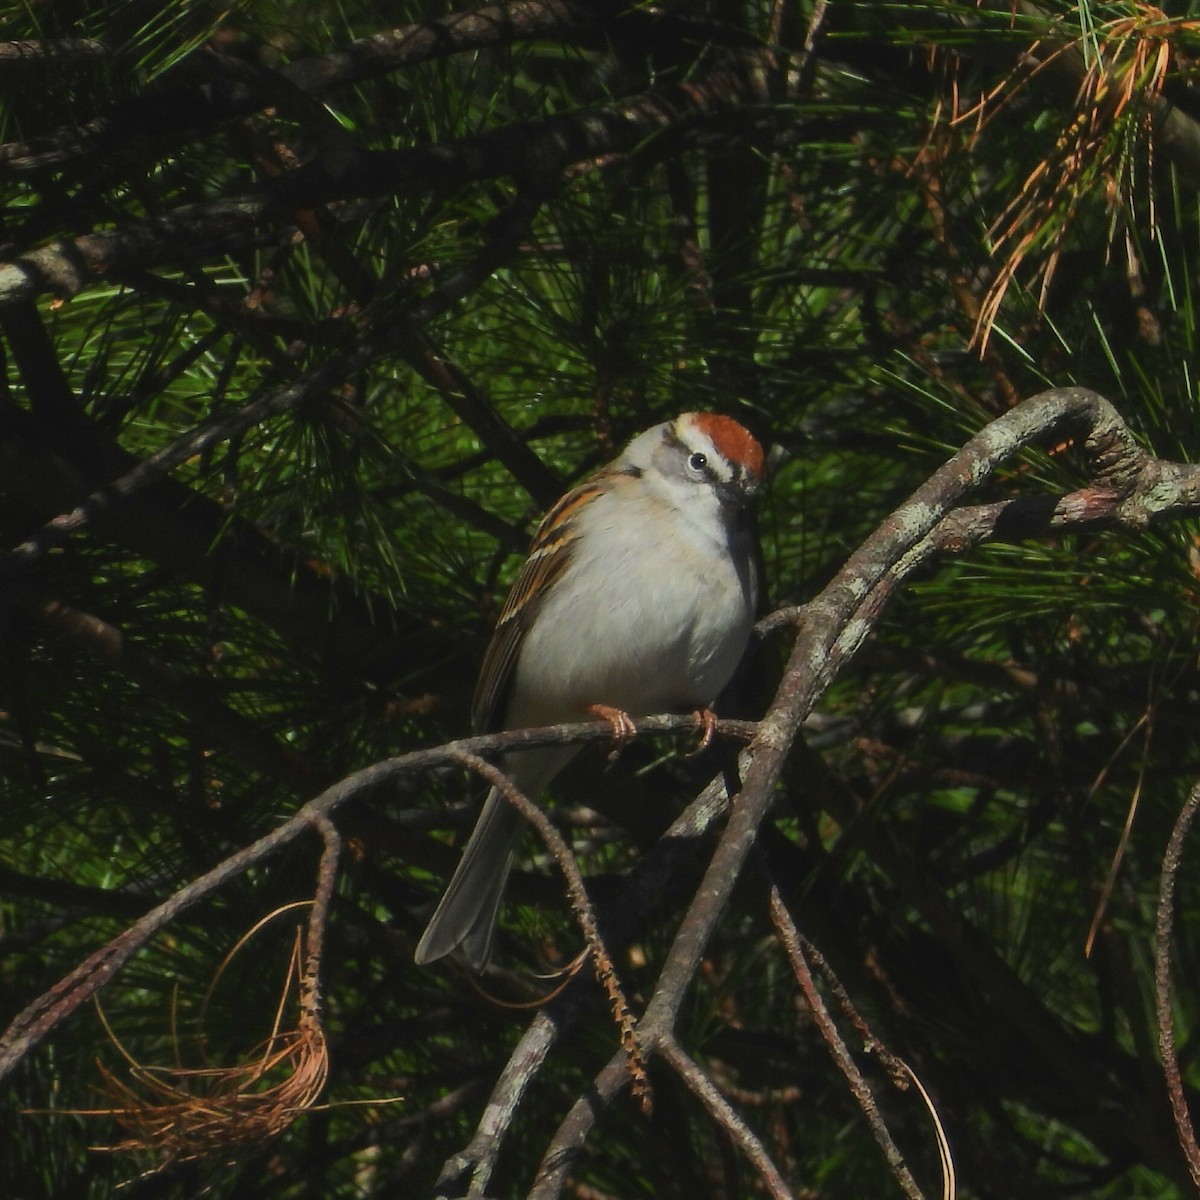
(902, 1074)
(581, 905)
(184, 1113)
(314, 940)
(1146, 720)
(742, 1136)
(1162, 982)
(53, 50)
(789, 935)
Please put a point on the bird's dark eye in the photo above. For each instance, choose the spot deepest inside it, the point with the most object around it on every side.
(697, 461)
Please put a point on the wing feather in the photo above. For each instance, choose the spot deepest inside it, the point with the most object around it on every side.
(549, 554)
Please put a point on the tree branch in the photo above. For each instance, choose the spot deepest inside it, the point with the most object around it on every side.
(58, 50)
(196, 539)
(38, 1018)
(834, 626)
(640, 897)
(239, 90)
(531, 151)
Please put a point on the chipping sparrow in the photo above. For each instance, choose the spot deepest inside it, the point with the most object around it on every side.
(637, 597)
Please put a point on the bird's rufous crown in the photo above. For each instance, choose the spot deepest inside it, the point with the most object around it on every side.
(735, 442)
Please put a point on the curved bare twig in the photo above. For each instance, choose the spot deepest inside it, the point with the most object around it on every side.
(789, 935)
(1162, 983)
(742, 1136)
(602, 961)
(39, 1017)
(642, 888)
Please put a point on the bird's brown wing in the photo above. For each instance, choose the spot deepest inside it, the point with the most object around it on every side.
(549, 555)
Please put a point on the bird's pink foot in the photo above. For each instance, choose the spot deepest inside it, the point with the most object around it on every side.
(621, 722)
(707, 720)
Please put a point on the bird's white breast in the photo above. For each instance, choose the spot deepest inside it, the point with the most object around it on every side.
(650, 614)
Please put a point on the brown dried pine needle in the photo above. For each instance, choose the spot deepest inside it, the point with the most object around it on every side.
(1104, 142)
(184, 1113)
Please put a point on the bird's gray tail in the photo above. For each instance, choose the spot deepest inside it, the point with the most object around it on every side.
(465, 918)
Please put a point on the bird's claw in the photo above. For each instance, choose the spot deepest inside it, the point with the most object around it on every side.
(707, 720)
(622, 725)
